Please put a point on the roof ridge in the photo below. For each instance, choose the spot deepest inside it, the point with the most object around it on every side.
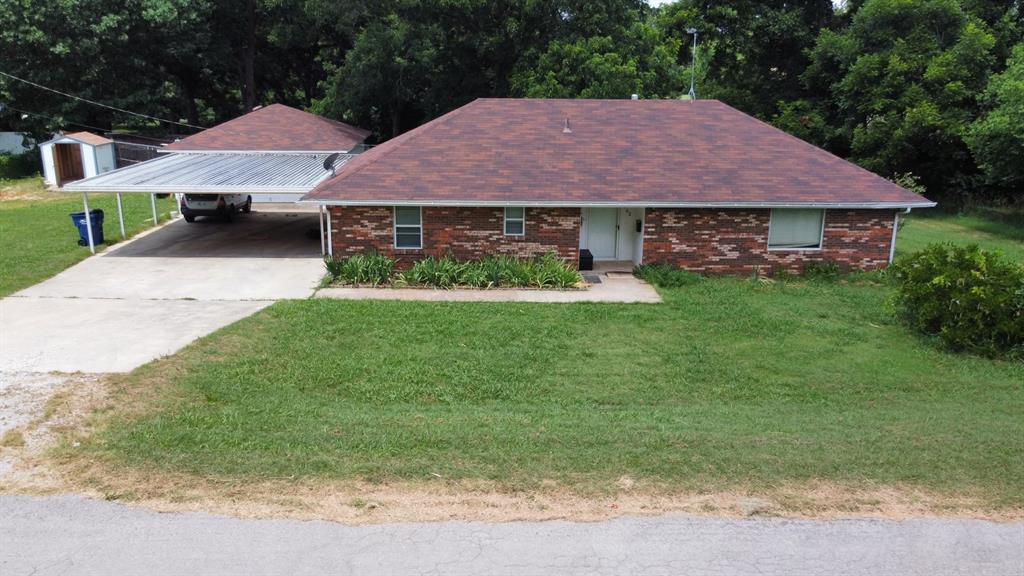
(400, 139)
(355, 130)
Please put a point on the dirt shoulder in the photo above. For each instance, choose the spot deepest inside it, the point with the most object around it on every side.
(45, 461)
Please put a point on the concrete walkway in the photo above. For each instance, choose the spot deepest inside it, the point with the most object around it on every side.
(152, 295)
(74, 535)
(615, 288)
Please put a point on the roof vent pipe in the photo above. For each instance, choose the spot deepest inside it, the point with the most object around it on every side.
(567, 129)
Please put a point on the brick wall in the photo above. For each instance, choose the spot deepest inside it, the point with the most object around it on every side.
(736, 241)
(467, 233)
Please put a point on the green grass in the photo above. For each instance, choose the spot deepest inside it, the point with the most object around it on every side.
(1003, 232)
(729, 383)
(38, 239)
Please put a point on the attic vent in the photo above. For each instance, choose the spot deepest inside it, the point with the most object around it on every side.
(567, 129)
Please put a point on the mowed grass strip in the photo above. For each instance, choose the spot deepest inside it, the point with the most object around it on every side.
(729, 383)
(38, 239)
(992, 231)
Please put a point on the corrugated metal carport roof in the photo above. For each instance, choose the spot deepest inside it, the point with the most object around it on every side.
(274, 172)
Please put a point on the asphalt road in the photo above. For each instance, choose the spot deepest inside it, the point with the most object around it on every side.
(74, 535)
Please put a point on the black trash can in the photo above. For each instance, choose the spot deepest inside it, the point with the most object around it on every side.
(96, 216)
(586, 260)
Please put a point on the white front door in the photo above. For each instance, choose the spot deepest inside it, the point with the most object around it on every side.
(630, 224)
(601, 233)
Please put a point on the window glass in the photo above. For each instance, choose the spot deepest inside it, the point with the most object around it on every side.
(515, 221)
(407, 215)
(407, 239)
(408, 227)
(795, 228)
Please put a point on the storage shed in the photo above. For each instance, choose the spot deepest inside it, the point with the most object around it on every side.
(74, 156)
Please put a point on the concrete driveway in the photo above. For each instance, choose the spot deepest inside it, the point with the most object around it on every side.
(75, 535)
(156, 293)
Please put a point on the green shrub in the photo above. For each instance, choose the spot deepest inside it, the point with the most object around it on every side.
(547, 271)
(971, 299)
(824, 270)
(550, 271)
(666, 276)
(19, 165)
(440, 272)
(493, 267)
(780, 273)
(473, 274)
(369, 268)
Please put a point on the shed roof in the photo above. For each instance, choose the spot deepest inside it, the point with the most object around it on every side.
(84, 137)
(274, 128)
(613, 152)
(215, 173)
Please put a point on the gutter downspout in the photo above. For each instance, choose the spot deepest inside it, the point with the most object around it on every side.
(895, 229)
(330, 239)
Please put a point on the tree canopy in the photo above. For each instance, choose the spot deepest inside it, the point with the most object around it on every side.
(930, 88)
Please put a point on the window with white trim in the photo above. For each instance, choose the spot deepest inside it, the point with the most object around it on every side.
(515, 221)
(408, 227)
(796, 229)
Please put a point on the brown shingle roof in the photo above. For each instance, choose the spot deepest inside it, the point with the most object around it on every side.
(275, 128)
(652, 152)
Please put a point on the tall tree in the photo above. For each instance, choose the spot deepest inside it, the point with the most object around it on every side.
(599, 67)
(757, 48)
(414, 60)
(997, 138)
(904, 79)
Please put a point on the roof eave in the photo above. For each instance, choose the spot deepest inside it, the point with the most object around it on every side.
(144, 189)
(169, 150)
(639, 204)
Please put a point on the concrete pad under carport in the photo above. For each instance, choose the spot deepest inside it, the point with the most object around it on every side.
(96, 336)
(260, 256)
(152, 295)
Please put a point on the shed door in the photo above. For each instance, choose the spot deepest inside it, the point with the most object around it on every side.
(601, 233)
(68, 158)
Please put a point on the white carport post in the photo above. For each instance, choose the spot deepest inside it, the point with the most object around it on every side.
(320, 218)
(152, 203)
(330, 248)
(120, 216)
(88, 222)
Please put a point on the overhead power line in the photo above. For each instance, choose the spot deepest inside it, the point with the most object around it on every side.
(94, 103)
(63, 121)
(60, 120)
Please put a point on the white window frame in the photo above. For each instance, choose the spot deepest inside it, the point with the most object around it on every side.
(821, 237)
(395, 226)
(504, 226)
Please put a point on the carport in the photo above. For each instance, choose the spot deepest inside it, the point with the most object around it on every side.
(280, 175)
(273, 153)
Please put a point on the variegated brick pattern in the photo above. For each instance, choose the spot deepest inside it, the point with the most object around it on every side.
(722, 241)
(467, 233)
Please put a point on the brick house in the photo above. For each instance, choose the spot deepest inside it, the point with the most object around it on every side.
(695, 184)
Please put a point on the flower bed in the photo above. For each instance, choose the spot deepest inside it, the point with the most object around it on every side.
(371, 269)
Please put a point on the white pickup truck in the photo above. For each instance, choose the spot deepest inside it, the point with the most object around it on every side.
(221, 205)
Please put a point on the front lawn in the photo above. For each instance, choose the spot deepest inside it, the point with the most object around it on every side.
(37, 237)
(730, 383)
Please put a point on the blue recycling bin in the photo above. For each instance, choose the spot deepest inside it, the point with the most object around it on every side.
(96, 216)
